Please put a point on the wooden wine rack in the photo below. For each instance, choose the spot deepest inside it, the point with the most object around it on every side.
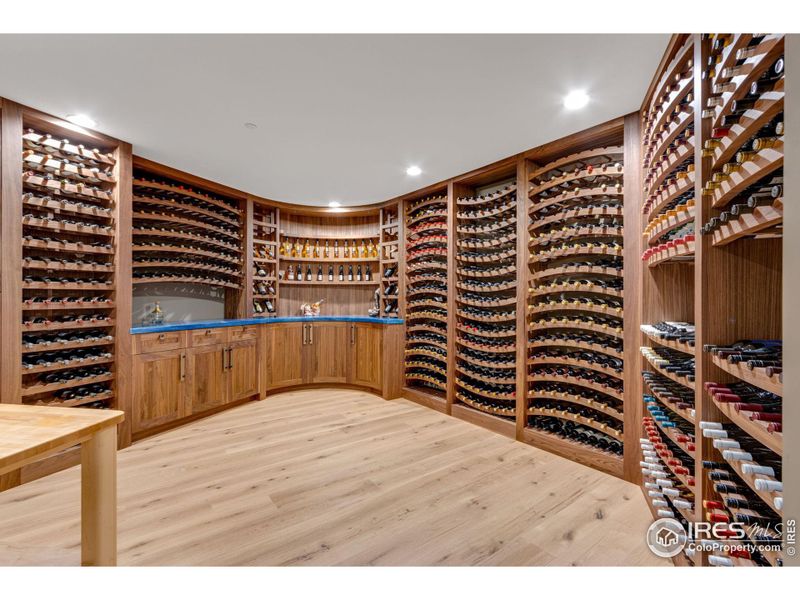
(576, 213)
(390, 236)
(426, 292)
(264, 273)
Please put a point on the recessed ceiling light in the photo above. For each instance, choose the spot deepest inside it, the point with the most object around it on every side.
(576, 99)
(82, 120)
(249, 125)
(413, 171)
(334, 204)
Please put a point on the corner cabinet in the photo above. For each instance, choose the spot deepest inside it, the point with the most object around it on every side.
(366, 355)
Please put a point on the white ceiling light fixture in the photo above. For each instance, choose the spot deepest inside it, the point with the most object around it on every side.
(334, 204)
(576, 99)
(81, 120)
(249, 125)
(413, 170)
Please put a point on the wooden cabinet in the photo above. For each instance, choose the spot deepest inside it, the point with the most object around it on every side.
(326, 351)
(243, 369)
(159, 380)
(208, 377)
(282, 359)
(366, 355)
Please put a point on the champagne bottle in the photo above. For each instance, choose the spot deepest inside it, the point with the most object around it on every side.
(319, 273)
(358, 274)
(330, 272)
(341, 272)
(309, 276)
(350, 273)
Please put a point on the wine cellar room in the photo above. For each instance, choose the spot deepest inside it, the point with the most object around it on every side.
(415, 320)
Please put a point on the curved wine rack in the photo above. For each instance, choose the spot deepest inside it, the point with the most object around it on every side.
(69, 284)
(426, 289)
(575, 299)
(486, 255)
(169, 218)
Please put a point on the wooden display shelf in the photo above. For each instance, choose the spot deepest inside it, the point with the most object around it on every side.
(172, 279)
(771, 48)
(56, 265)
(188, 193)
(590, 231)
(66, 206)
(463, 367)
(266, 278)
(76, 229)
(483, 363)
(182, 264)
(56, 346)
(503, 240)
(487, 258)
(330, 260)
(728, 55)
(427, 342)
(332, 238)
(764, 163)
(575, 399)
(575, 324)
(582, 270)
(675, 345)
(72, 365)
(68, 189)
(56, 327)
(77, 401)
(54, 285)
(180, 207)
(575, 418)
(685, 480)
(498, 210)
(439, 266)
(489, 302)
(584, 383)
(265, 261)
(668, 222)
(263, 242)
(768, 105)
(602, 191)
(50, 145)
(575, 213)
(668, 164)
(756, 377)
(668, 136)
(579, 157)
(548, 255)
(421, 351)
(763, 220)
(681, 252)
(673, 437)
(423, 303)
(429, 380)
(488, 228)
(484, 419)
(502, 412)
(427, 397)
(426, 203)
(767, 497)
(590, 288)
(576, 344)
(582, 174)
(675, 66)
(426, 290)
(327, 283)
(574, 450)
(432, 254)
(488, 273)
(421, 230)
(493, 319)
(479, 200)
(64, 170)
(584, 364)
(34, 390)
(599, 309)
(495, 288)
(505, 349)
(420, 365)
(184, 250)
(426, 315)
(664, 195)
(755, 429)
(681, 380)
(51, 306)
(185, 221)
(178, 235)
(264, 224)
(681, 412)
(430, 328)
(678, 95)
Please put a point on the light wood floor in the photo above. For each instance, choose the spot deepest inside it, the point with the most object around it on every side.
(334, 477)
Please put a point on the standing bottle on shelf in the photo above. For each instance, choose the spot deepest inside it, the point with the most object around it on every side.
(341, 272)
(350, 273)
(309, 276)
(316, 249)
(327, 249)
(319, 273)
(346, 250)
(336, 248)
(359, 276)
(368, 273)
(330, 272)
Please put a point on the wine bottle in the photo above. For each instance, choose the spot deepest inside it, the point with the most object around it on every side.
(341, 272)
(350, 273)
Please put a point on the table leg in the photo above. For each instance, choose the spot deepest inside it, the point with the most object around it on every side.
(99, 499)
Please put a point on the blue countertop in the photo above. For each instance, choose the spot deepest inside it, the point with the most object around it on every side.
(258, 320)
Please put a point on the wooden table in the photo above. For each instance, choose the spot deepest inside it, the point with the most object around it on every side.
(30, 433)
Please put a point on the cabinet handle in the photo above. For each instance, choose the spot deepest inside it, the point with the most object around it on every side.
(310, 333)
(230, 358)
(304, 334)
(352, 334)
(183, 366)
(161, 336)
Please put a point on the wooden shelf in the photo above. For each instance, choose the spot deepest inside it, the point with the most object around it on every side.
(418, 328)
(548, 255)
(463, 367)
(330, 261)
(572, 196)
(675, 345)
(179, 207)
(177, 235)
(505, 349)
(575, 418)
(184, 265)
(430, 381)
(487, 258)
(50, 306)
(426, 315)
(427, 342)
(490, 302)
(51, 145)
(77, 401)
(488, 273)
(681, 380)
(495, 288)
(672, 434)
(762, 220)
(609, 172)
(72, 365)
(560, 360)
(188, 222)
(663, 196)
(34, 390)
(584, 383)
(68, 207)
(764, 163)
(590, 231)
(582, 270)
(187, 193)
(68, 189)
(76, 229)
(427, 367)
(668, 164)
(679, 252)
(489, 243)
(671, 220)
(546, 307)
(767, 497)
(575, 451)
(508, 365)
(423, 303)
(602, 407)
(755, 429)
(494, 319)
(575, 213)
(685, 480)
(327, 283)
(170, 279)
(574, 324)
(498, 210)
(591, 288)
(56, 265)
(488, 228)
(63, 169)
(439, 214)
(487, 420)
(579, 157)
(667, 137)
(56, 346)
(486, 409)
(681, 412)
(54, 285)
(575, 344)
(756, 377)
(184, 250)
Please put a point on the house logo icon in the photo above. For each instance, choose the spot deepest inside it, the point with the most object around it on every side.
(666, 538)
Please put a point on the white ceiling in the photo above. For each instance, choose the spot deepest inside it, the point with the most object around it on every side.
(339, 117)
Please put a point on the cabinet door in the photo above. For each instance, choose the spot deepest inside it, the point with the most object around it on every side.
(283, 355)
(366, 355)
(158, 389)
(243, 369)
(207, 380)
(328, 344)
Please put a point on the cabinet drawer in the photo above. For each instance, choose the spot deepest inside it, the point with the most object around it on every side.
(208, 337)
(242, 333)
(145, 343)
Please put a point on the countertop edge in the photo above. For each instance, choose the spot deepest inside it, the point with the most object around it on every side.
(257, 321)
